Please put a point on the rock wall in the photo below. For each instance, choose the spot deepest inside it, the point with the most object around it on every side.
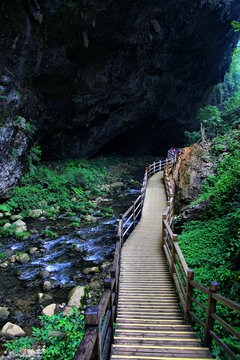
(193, 166)
(89, 75)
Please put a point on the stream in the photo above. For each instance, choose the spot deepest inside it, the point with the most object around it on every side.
(60, 260)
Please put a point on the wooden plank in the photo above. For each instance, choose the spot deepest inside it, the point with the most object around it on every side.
(87, 344)
(229, 303)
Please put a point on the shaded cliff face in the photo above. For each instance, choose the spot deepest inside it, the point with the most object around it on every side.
(90, 76)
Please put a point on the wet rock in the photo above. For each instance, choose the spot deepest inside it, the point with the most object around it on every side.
(89, 218)
(67, 311)
(13, 259)
(6, 225)
(4, 313)
(33, 250)
(94, 269)
(23, 258)
(105, 265)
(74, 199)
(36, 213)
(20, 226)
(10, 331)
(117, 186)
(44, 297)
(34, 231)
(4, 265)
(7, 214)
(45, 274)
(47, 285)
(1, 215)
(16, 217)
(49, 310)
(105, 187)
(75, 296)
(29, 353)
(94, 284)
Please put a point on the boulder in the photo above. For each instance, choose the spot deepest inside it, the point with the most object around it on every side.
(89, 218)
(33, 250)
(10, 331)
(105, 188)
(67, 311)
(45, 274)
(6, 225)
(117, 186)
(16, 217)
(4, 264)
(47, 285)
(29, 353)
(44, 297)
(75, 296)
(7, 214)
(1, 215)
(35, 213)
(94, 269)
(20, 226)
(23, 258)
(4, 313)
(49, 310)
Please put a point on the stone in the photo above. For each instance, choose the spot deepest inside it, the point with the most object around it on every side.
(1, 215)
(94, 284)
(10, 331)
(67, 311)
(29, 353)
(35, 213)
(94, 269)
(89, 218)
(49, 310)
(20, 226)
(13, 259)
(16, 217)
(44, 297)
(4, 265)
(4, 313)
(47, 285)
(75, 296)
(117, 186)
(23, 258)
(33, 250)
(7, 214)
(5, 226)
(105, 187)
(45, 274)
(74, 199)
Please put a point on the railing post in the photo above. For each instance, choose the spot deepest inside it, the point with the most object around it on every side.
(92, 321)
(211, 308)
(164, 217)
(173, 254)
(134, 214)
(189, 294)
(121, 229)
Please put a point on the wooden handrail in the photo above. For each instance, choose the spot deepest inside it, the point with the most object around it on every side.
(183, 280)
(96, 343)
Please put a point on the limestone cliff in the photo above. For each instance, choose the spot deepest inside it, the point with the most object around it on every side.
(113, 75)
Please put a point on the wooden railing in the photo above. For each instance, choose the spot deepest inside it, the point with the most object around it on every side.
(96, 342)
(183, 279)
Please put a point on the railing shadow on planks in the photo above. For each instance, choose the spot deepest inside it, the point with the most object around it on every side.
(99, 320)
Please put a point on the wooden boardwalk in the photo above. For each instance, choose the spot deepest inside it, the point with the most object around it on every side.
(150, 324)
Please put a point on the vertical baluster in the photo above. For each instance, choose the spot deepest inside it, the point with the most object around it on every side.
(174, 239)
(189, 295)
(134, 214)
(211, 308)
(164, 217)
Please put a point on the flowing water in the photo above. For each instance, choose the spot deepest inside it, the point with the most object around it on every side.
(62, 259)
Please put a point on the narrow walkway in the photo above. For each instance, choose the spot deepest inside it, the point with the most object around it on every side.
(149, 321)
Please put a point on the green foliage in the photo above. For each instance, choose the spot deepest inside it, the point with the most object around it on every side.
(56, 184)
(49, 233)
(192, 137)
(70, 330)
(211, 244)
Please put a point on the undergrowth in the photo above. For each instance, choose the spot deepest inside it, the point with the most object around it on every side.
(211, 244)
